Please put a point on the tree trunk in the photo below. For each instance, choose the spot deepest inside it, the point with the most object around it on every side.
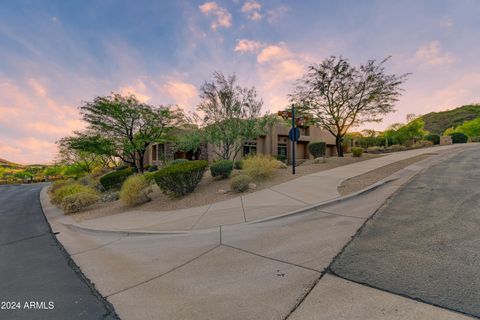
(141, 168)
(338, 144)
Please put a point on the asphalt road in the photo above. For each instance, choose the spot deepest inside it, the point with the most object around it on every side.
(424, 242)
(38, 280)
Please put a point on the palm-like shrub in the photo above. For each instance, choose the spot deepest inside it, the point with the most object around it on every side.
(133, 190)
(78, 201)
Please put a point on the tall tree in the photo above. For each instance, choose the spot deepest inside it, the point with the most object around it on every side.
(339, 96)
(129, 125)
(230, 115)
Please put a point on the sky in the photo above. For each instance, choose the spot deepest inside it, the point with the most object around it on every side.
(55, 55)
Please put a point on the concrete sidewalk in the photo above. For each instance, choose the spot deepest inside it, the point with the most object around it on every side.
(294, 195)
(268, 269)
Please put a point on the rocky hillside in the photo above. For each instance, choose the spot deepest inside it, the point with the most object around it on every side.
(438, 122)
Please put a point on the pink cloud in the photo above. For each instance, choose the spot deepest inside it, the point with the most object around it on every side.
(252, 9)
(222, 18)
(432, 54)
(181, 93)
(273, 52)
(247, 46)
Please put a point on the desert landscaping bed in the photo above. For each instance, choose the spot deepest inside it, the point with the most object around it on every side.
(362, 181)
(211, 190)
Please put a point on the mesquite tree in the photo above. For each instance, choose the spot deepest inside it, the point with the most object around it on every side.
(129, 125)
(338, 95)
(230, 115)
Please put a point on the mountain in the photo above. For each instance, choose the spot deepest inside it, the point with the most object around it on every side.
(7, 164)
(438, 122)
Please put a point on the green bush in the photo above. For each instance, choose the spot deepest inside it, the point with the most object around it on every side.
(239, 164)
(458, 137)
(259, 166)
(317, 149)
(240, 183)
(475, 139)
(133, 190)
(153, 168)
(357, 152)
(177, 161)
(433, 138)
(222, 168)
(122, 167)
(70, 189)
(78, 201)
(182, 178)
(115, 179)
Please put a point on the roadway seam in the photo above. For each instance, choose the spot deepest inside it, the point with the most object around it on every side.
(243, 209)
(23, 239)
(201, 216)
(339, 214)
(165, 273)
(286, 195)
(273, 259)
(98, 247)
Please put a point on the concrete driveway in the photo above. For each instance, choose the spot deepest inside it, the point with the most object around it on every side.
(269, 269)
(424, 243)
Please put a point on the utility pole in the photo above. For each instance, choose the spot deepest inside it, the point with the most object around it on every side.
(293, 140)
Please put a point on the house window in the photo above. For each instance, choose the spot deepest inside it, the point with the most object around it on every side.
(154, 152)
(282, 151)
(250, 148)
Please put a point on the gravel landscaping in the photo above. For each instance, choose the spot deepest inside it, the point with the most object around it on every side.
(211, 190)
(367, 179)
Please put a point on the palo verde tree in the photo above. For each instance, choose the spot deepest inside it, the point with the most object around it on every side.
(129, 124)
(230, 115)
(338, 95)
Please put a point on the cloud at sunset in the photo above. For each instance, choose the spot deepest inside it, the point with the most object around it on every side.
(52, 61)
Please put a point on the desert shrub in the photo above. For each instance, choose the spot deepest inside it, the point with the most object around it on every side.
(149, 176)
(240, 183)
(133, 191)
(153, 168)
(58, 184)
(357, 152)
(115, 179)
(78, 201)
(375, 150)
(422, 144)
(122, 167)
(434, 138)
(278, 164)
(458, 137)
(177, 161)
(70, 189)
(182, 178)
(396, 148)
(259, 167)
(100, 171)
(222, 168)
(475, 139)
(239, 164)
(317, 149)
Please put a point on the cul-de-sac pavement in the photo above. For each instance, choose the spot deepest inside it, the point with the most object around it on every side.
(406, 247)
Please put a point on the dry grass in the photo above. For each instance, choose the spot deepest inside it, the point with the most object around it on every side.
(207, 191)
(367, 179)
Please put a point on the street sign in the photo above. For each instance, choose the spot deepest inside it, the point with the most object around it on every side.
(294, 134)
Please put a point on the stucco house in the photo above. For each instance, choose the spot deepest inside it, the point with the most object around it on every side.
(274, 143)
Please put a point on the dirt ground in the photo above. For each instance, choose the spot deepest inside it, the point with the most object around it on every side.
(207, 191)
(362, 181)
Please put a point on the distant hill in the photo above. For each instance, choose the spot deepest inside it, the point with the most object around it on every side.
(438, 122)
(7, 164)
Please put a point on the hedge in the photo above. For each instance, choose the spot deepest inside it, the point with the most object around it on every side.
(115, 179)
(434, 138)
(222, 168)
(357, 151)
(317, 149)
(182, 178)
(458, 137)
